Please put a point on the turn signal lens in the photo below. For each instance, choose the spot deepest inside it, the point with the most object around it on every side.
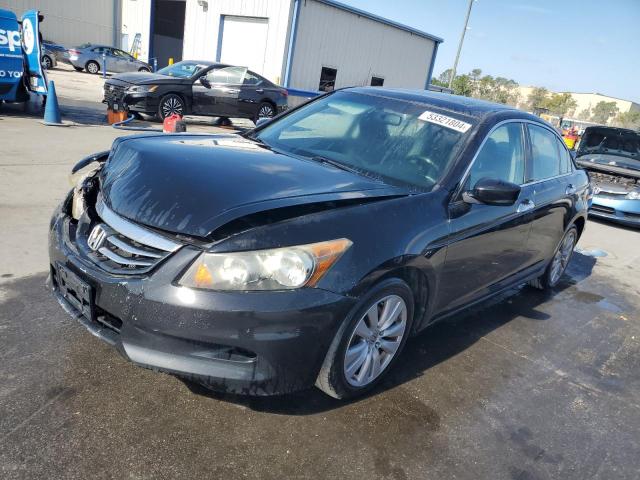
(273, 269)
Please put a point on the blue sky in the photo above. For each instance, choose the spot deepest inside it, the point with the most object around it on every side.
(578, 45)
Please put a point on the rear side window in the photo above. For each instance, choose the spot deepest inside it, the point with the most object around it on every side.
(565, 158)
(545, 156)
(501, 157)
(251, 79)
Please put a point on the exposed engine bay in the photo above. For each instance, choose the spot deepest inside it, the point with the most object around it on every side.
(613, 183)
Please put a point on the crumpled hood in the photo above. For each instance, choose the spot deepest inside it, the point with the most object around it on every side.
(193, 184)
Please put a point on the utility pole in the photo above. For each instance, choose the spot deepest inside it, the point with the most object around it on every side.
(464, 31)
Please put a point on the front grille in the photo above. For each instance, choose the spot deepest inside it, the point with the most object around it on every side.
(600, 208)
(113, 93)
(122, 247)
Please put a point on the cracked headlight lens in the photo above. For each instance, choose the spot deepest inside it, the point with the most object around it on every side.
(633, 195)
(273, 269)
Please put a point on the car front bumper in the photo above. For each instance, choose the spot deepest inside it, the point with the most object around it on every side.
(257, 343)
(619, 210)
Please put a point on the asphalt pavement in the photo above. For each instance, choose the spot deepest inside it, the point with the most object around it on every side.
(530, 386)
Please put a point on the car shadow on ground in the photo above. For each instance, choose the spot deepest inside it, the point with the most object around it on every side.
(436, 344)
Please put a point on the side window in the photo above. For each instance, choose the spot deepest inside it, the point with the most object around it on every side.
(251, 79)
(327, 79)
(545, 158)
(227, 75)
(99, 50)
(501, 156)
(565, 158)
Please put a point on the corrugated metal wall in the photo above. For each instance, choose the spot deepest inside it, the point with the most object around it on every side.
(358, 48)
(136, 18)
(201, 29)
(72, 22)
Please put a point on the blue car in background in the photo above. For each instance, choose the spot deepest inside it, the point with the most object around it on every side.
(612, 158)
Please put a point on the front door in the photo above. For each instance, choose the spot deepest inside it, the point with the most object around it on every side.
(219, 95)
(487, 243)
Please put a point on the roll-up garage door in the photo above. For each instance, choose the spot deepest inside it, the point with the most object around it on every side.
(244, 42)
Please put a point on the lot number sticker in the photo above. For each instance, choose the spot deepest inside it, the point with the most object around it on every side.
(445, 121)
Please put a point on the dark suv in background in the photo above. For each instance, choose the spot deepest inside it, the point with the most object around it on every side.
(308, 250)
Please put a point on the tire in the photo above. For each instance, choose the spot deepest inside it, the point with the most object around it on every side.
(144, 69)
(339, 377)
(47, 63)
(170, 104)
(558, 264)
(265, 110)
(92, 67)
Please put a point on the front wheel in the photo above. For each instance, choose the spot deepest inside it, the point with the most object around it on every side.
(559, 262)
(265, 110)
(170, 104)
(93, 67)
(369, 341)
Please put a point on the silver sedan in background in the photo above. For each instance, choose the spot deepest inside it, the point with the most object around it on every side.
(89, 57)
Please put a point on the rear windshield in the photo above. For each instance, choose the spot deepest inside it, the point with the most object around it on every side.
(610, 141)
(396, 141)
(182, 69)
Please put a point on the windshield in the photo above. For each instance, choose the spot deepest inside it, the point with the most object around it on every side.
(182, 69)
(610, 141)
(400, 142)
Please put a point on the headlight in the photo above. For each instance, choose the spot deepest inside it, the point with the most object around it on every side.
(635, 195)
(142, 89)
(274, 269)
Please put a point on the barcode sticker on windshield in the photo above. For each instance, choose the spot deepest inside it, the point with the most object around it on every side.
(445, 121)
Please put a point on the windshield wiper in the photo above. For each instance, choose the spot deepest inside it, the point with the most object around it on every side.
(334, 163)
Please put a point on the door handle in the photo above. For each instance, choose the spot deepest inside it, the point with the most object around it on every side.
(259, 90)
(525, 206)
(570, 190)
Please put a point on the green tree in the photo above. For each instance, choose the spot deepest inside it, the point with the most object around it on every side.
(537, 98)
(560, 103)
(603, 111)
(462, 85)
(445, 76)
(628, 120)
(475, 74)
(584, 114)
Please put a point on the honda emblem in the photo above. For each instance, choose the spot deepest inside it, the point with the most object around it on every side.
(96, 238)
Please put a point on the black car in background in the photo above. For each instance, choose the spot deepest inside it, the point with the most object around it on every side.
(198, 88)
(53, 53)
(308, 250)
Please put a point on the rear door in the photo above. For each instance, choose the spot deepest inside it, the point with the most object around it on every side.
(487, 243)
(548, 174)
(36, 77)
(251, 93)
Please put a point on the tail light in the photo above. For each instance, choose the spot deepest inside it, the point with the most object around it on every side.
(284, 92)
(73, 51)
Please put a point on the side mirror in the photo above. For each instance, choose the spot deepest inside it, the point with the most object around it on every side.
(262, 121)
(492, 192)
(205, 83)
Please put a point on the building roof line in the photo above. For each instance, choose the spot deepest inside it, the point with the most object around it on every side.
(380, 19)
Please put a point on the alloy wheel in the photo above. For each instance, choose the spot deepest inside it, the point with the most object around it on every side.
(46, 63)
(266, 111)
(562, 257)
(172, 106)
(92, 67)
(375, 340)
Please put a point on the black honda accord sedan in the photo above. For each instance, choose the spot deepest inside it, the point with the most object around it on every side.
(310, 249)
(197, 88)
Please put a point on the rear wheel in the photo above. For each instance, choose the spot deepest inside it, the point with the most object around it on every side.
(265, 110)
(171, 104)
(144, 69)
(559, 262)
(92, 67)
(369, 342)
(47, 63)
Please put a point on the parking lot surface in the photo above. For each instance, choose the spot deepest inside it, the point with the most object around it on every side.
(532, 386)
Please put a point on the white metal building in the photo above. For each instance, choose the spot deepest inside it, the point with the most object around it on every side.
(74, 22)
(304, 44)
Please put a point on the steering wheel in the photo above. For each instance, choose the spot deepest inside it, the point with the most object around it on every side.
(426, 168)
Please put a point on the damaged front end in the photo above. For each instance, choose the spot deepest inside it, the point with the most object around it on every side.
(611, 156)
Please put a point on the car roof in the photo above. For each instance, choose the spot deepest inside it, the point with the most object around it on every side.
(455, 103)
